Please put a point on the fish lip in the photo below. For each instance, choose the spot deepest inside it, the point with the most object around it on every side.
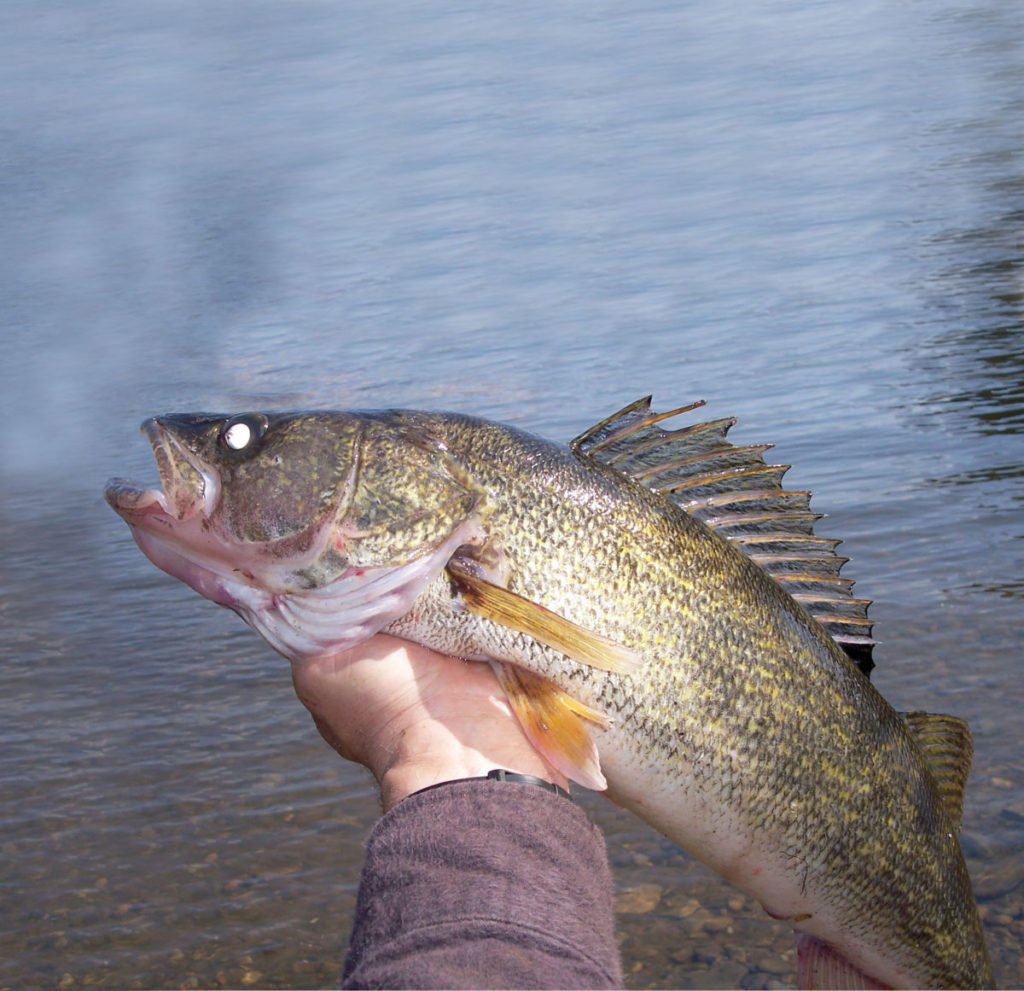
(127, 498)
(189, 489)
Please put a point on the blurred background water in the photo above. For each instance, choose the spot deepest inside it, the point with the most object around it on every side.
(808, 213)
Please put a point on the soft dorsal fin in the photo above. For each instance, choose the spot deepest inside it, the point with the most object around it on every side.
(946, 744)
(735, 492)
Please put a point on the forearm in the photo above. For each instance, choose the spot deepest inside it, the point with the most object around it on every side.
(484, 884)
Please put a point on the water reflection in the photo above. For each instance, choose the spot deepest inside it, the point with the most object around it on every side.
(972, 252)
(982, 367)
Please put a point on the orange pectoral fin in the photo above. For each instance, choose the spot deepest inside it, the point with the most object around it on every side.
(508, 609)
(555, 723)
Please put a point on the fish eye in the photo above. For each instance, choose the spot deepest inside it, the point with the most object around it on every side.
(238, 436)
(243, 433)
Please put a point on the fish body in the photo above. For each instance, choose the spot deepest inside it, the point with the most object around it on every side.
(641, 649)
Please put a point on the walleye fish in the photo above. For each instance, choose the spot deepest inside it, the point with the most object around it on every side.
(663, 619)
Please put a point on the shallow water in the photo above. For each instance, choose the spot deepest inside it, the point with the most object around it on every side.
(808, 214)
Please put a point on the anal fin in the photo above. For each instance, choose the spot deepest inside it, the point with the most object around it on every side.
(819, 966)
(555, 723)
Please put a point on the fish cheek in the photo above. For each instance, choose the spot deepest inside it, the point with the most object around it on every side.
(291, 486)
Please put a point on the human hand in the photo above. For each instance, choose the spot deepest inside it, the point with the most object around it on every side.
(415, 717)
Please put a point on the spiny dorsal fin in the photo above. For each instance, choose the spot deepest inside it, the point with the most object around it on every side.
(735, 492)
(948, 749)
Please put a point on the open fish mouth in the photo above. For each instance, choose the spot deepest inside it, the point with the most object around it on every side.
(170, 523)
(188, 489)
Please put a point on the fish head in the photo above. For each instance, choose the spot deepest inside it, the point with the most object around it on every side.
(317, 527)
(253, 496)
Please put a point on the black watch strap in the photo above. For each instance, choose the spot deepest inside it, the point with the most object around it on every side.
(499, 774)
(527, 779)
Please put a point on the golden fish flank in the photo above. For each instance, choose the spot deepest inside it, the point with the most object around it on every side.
(613, 585)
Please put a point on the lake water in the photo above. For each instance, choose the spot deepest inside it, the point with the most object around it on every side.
(809, 214)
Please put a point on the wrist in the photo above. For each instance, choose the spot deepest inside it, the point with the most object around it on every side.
(403, 777)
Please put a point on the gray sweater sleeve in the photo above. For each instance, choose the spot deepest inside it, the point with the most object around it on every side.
(484, 884)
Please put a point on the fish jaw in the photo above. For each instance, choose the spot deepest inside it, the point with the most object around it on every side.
(188, 487)
(211, 576)
(179, 545)
(161, 518)
(169, 524)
